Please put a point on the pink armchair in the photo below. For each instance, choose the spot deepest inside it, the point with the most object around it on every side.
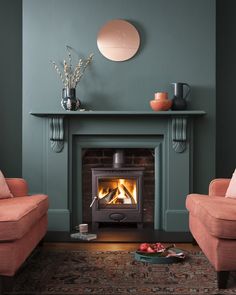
(23, 224)
(212, 222)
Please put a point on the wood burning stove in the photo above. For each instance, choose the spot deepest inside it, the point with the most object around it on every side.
(117, 193)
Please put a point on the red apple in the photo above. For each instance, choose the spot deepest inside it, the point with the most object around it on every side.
(150, 250)
(143, 247)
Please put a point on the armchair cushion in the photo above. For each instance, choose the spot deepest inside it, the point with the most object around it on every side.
(18, 215)
(17, 186)
(14, 212)
(4, 189)
(216, 213)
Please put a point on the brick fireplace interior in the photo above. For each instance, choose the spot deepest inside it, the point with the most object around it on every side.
(136, 158)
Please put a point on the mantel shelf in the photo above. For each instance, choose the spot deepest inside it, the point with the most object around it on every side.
(187, 113)
(178, 121)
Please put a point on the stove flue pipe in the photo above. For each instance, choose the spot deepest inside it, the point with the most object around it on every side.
(118, 158)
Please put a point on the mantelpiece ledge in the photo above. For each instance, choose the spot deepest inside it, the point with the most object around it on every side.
(118, 113)
(178, 120)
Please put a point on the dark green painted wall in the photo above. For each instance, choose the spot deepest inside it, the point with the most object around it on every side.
(178, 44)
(10, 113)
(226, 97)
(11, 87)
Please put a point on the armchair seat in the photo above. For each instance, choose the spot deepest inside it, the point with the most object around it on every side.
(23, 224)
(18, 215)
(216, 213)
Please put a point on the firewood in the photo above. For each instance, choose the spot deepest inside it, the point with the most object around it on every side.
(113, 200)
(108, 197)
(127, 193)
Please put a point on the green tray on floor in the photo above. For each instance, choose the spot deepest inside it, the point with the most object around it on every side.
(155, 258)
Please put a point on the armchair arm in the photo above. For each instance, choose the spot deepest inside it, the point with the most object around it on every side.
(17, 186)
(218, 187)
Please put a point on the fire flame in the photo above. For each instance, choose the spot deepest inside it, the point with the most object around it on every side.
(103, 192)
(125, 190)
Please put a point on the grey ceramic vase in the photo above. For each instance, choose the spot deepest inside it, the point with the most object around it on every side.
(69, 102)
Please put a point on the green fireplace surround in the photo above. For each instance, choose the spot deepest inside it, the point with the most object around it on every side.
(66, 134)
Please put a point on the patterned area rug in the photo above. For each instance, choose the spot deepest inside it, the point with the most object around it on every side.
(115, 272)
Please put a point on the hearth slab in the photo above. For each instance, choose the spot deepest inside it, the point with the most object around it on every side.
(108, 235)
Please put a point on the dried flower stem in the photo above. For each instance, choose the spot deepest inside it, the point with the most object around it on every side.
(66, 73)
(58, 71)
(81, 73)
(69, 55)
(72, 77)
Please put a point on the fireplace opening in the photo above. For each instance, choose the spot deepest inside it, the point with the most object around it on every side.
(119, 186)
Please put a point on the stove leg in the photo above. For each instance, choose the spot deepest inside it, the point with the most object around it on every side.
(139, 225)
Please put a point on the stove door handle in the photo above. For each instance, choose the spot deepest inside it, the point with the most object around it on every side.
(93, 200)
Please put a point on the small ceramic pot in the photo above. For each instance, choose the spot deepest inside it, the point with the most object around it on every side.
(161, 102)
(161, 95)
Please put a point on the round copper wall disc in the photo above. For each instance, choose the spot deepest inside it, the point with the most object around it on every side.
(118, 40)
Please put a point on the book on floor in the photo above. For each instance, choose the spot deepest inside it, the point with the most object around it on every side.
(84, 236)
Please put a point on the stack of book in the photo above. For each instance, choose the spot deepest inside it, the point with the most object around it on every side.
(83, 236)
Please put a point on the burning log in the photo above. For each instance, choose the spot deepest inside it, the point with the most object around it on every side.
(118, 195)
(127, 193)
(108, 197)
(112, 201)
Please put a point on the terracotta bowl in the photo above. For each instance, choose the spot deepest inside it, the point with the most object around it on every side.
(161, 104)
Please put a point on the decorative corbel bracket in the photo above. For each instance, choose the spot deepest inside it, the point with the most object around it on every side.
(179, 134)
(56, 133)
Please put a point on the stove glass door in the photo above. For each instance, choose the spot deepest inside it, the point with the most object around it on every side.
(114, 192)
